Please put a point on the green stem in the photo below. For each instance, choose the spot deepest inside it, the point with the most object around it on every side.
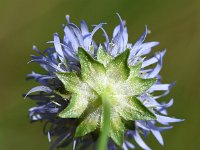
(103, 140)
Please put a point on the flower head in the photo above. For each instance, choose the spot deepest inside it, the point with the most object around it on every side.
(83, 76)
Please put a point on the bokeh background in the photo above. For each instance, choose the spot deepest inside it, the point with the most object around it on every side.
(175, 23)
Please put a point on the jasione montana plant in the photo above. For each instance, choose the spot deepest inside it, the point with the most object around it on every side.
(99, 94)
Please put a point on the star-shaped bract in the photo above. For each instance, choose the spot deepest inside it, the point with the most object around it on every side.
(105, 79)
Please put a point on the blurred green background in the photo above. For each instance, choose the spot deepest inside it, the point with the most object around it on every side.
(175, 23)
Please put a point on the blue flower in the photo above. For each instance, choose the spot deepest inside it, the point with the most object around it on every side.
(66, 60)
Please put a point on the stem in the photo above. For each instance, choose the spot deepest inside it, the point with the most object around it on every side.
(103, 140)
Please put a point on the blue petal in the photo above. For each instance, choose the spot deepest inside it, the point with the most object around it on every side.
(37, 50)
(156, 133)
(129, 145)
(163, 128)
(39, 89)
(74, 145)
(157, 69)
(135, 49)
(165, 120)
(165, 93)
(70, 54)
(76, 30)
(40, 78)
(88, 39)
(139, 141)
(142, 38)
(124, 146)
(46, 108)
(151, 100)
(107, 42)
(36, 117)
(49, 137)
(59, 140)
(47, 63)
(145, 48)
(141, 124)
(153, 60)
(58, 47)
(160, 87)
(120, 38)
(84, 28)
(71, 37)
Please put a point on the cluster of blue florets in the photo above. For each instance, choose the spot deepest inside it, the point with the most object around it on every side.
(62, 57)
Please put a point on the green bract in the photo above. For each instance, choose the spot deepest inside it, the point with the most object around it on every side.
(105, 79)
